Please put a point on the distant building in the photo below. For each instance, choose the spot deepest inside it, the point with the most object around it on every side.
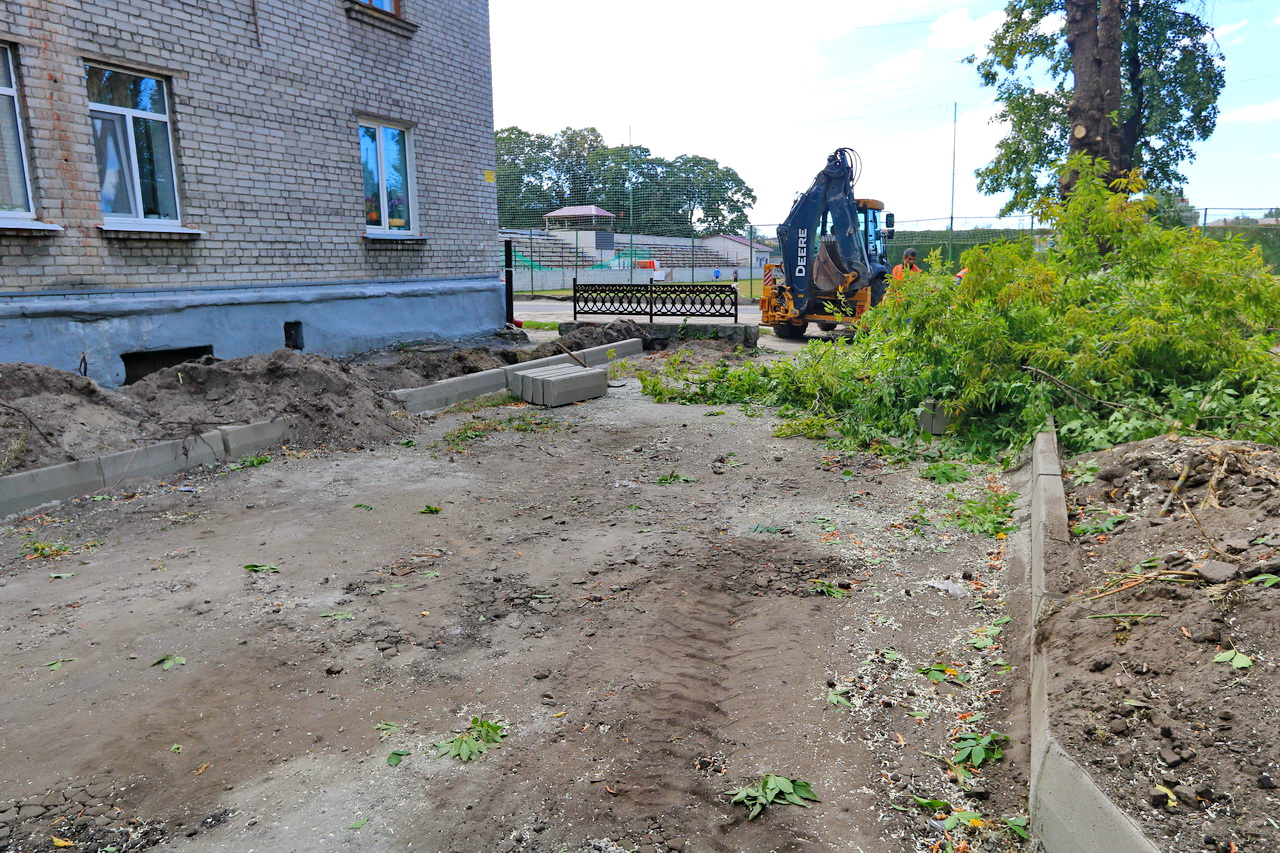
(238, 176)
(740, 251)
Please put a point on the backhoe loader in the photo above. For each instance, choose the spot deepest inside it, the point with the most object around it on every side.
(833, 254)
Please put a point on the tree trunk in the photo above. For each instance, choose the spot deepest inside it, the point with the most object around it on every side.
(1093, 37)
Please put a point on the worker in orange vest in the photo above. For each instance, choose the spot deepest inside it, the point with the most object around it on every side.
(908, 265)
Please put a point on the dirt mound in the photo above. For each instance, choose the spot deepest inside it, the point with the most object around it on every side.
(415, 368)
(590, 336)
(49, 416)
(1165, 651)
(330, 402)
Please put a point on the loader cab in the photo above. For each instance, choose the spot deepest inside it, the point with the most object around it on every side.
(877, 229)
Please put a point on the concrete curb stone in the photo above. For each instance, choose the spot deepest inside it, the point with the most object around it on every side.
(1069, 812)
(26, 490)
(446, 392)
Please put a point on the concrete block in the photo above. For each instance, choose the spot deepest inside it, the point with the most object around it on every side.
(246, 440)
(1044, 455)
(29, 489)
(167, 457)
(513, 369)
(1070, 813)
(446, 392)
(526, 383)
(571, 388)
(595, 356)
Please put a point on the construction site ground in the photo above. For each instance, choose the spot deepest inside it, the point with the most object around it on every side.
(629, 586)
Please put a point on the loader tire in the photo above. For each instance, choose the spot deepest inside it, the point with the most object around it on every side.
(791, 331)
(827, 327)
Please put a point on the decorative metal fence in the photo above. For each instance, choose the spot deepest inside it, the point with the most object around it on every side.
(657, 300)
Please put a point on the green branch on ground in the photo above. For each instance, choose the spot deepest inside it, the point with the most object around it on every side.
(1121, 329)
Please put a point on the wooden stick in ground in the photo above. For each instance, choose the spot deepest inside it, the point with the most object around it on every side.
(1177, 487)
(1212, 544)
(567, 352)
(28, 417)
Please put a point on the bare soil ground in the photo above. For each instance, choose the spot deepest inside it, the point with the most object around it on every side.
(650, 645)
(1148, 697)
(49, 416)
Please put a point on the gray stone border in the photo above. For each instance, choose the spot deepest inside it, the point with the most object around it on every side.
(27, 490)
(1069, 812)
(446, 392)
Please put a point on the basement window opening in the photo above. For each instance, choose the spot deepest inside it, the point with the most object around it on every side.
(140, 364)
(293, 334)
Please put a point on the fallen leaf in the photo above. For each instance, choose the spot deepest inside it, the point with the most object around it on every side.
(425, 613)
(203, 767)
(62, 842)
(561, 714)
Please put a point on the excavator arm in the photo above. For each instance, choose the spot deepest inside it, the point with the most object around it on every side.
(824, 259)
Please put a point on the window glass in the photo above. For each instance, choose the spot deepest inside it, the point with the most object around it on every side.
(396, 154)
(109, 137)
(13, 174)
(372, 176)
(6, 76)
(155, 169)
(385, 5)
(130, 91)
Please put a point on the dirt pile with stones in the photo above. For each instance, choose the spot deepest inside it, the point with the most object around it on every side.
(1166, 644)
(50, 416)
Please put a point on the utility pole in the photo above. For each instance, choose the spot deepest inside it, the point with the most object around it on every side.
(951, 228)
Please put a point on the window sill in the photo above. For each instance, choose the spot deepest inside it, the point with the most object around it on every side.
(44, 228)
(395, 238)
(358, 11)
(147, 229)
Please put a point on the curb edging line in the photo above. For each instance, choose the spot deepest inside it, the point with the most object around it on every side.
(1069, 811)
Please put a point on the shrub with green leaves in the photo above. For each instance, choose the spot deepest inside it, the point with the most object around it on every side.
(1119, 327)
(772, 790)
(479, 737)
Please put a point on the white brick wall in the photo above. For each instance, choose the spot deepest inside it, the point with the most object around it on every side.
(265, 97)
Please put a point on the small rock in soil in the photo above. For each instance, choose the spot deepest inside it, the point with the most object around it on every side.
(1216, 571)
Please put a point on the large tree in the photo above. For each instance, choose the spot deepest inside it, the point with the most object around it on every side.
(688, 196)
(1133, 81)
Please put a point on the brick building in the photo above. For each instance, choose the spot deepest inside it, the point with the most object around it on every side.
(181, 176)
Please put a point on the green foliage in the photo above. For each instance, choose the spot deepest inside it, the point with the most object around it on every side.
(809, 426)
(1122, 330)
(44, 550)
(261, 568)
(975, 748)
(1266, 580)
(945, 472)
(1172, 74)
(940, 672)
(673, 478)
(682, 197)
(479, 737)
(249, 462)
(1237, 659)
(1100, 524)
(827, 588)
(429, 509)
(396, 756)
(169, 661)
(988, 515)
(1085, 473)
(772, 790)
(479, 428)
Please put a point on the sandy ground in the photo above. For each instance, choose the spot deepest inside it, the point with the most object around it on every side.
(651, 646)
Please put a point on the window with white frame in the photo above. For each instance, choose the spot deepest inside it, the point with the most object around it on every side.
(15, 184)
(134, 146)
(386, 160)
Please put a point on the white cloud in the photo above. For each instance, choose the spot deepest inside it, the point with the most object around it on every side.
(770, 97)
(1221, 33)
(956, 32)
(1052, 23)
(1269, 111)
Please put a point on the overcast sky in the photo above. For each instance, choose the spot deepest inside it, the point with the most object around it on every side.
(772, 88)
